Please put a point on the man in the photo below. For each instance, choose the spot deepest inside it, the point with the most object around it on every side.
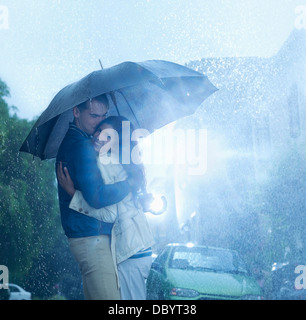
(89, 239)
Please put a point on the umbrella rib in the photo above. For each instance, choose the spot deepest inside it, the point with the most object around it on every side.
(112, 95)
(129, 107)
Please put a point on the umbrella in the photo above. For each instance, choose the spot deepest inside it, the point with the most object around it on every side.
(150, 94)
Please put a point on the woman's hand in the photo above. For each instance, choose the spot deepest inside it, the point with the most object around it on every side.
(145, 201)
(64, 179)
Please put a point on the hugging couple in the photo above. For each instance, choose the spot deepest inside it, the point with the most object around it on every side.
(102, 211)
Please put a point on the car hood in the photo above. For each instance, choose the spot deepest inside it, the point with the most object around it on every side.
(214, 283)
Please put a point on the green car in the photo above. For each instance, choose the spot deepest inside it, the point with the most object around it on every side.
(192, 272)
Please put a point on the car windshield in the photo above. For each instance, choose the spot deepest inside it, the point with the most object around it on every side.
(206, 259)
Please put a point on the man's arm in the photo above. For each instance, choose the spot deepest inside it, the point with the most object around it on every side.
(89, 180)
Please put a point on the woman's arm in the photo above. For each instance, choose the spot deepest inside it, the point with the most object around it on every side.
(79, 204)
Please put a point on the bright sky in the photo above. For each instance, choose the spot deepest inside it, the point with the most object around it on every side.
(48, 44)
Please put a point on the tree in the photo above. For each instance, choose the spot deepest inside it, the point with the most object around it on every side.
(29, 219)
(55, 271)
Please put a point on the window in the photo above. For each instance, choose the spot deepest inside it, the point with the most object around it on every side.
(200, 258)
(13, 289)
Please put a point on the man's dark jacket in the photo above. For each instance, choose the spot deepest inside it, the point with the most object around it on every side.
(76, 152)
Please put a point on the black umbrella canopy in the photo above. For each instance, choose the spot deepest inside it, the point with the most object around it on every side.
(150, 94)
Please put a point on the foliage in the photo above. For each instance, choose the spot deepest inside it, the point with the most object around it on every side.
(55, 273)
(29, 213)
(4, 294)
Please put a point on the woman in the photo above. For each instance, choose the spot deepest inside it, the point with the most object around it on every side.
(131, 235)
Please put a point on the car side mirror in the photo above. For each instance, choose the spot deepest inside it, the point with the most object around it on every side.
(157, 267)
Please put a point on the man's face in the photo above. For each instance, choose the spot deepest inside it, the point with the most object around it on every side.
(88, 119)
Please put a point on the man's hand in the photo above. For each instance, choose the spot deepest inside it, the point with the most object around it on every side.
(64, 179)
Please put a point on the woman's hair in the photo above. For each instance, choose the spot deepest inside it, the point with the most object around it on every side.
(133, 170)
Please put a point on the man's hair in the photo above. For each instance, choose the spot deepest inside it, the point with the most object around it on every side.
(101, 98)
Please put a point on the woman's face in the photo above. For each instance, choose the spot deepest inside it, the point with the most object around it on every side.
(102, 136)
